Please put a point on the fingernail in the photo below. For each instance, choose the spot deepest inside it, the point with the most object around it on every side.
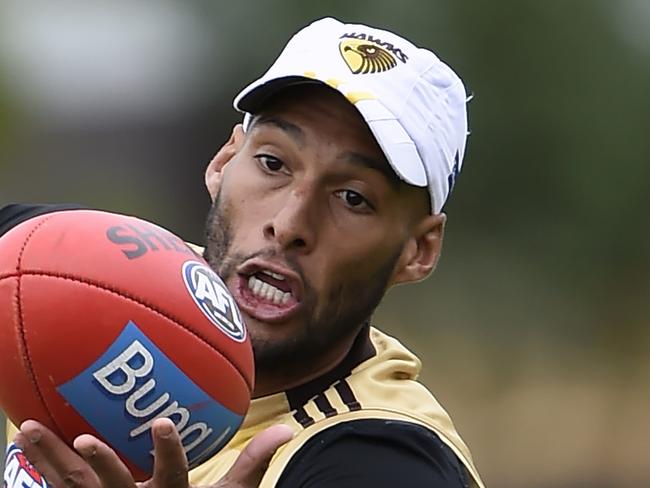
(35, 436)
(31, 426)
(165, 430)
(87, 452)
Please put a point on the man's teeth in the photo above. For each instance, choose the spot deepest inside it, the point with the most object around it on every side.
(268, 291)
(274, 275)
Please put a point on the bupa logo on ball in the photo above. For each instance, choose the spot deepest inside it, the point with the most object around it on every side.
(133, 383)
(214, 299)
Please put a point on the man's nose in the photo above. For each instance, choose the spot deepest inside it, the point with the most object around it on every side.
(294, 225)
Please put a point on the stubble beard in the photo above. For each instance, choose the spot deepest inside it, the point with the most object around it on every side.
(349, 305)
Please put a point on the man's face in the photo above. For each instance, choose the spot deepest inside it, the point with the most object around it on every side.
(308, 226)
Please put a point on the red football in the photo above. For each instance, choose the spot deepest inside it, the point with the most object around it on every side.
(108, 322)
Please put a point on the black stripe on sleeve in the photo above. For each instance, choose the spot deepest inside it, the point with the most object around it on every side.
(324, 405)
(347, 395)
(302, 418)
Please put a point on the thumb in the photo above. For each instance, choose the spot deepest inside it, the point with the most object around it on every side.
(250, 466)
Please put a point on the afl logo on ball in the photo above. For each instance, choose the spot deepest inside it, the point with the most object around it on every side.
(19, 472)
(214, 299)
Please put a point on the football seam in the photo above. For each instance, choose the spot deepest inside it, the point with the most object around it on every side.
(105, 287)
(22, 343)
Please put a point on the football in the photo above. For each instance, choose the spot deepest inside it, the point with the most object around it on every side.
(108, 322)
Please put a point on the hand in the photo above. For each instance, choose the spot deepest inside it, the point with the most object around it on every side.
(93, 464)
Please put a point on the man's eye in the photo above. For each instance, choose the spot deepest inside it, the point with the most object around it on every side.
(270, 163)
(353, 199)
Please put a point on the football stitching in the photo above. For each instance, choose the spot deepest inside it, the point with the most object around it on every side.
(22, 343)
(105, 287)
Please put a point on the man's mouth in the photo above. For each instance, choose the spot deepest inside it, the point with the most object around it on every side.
(268, 291)
(270, 286)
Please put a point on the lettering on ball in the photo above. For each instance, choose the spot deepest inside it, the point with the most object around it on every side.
(133, 382)
(120, 377)
(213, 298)
(135, 240)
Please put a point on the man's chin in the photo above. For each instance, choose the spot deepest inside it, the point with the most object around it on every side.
(274, 349)
(267, 333)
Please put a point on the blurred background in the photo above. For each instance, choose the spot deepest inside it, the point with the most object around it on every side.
(533, 330)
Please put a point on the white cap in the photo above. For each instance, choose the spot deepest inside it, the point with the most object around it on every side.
(414, 104)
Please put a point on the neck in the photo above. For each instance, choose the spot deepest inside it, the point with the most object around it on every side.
(279, 379)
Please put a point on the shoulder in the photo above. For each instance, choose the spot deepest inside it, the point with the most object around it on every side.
(15, 213)
(374, 452)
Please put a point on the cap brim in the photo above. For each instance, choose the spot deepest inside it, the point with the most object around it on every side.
(388, 132)
(253, 96)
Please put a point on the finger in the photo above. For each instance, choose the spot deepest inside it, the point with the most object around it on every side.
(53, 458)
(170, 464)
(37, 460)
(110, 469)
(251, 464)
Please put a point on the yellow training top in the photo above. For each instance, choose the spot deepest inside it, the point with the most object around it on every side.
(377, 380)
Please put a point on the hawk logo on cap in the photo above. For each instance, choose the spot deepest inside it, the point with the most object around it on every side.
(364, 56)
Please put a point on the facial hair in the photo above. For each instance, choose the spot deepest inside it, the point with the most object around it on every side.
(348, 307)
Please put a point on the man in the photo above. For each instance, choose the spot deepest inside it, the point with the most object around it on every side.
(328, 194)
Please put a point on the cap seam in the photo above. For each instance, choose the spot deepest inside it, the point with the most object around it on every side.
(457, 80)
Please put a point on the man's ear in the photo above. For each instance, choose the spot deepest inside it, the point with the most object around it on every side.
(422, 250)
(214, 170)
